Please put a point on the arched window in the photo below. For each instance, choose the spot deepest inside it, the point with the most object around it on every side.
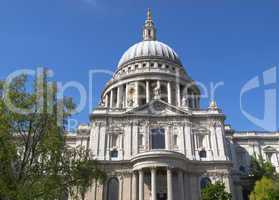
(113, 189)
(205, 181)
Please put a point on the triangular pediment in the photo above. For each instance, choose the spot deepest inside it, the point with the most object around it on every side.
(157, 107)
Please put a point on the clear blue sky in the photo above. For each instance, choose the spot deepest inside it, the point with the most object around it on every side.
(230, 41)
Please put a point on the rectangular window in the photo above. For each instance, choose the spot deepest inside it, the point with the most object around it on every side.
(114, 154)
(158, 138)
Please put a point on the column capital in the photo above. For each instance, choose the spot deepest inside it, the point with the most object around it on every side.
(120, 178)
(170, 168)
(153, 168)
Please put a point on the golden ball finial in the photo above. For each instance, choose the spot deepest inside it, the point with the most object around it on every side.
(213, 105)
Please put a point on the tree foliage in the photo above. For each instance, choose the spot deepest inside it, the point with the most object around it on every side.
(264, 180)
(260, 168)
(265, 189)
(35, 162)
(215, 192)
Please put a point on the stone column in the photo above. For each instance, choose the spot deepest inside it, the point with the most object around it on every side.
(153, 184)
(182, 129)
(169, 184)
(169, 92)
(277, 159)
(197, 101)
(121, 149)
(167, 138)
(214, 142)
(193, 100)
(181, 184)
(107, 100)
(136, 93)
(238, 192)
(141, 185)
(221, 143)
(94, 187)
(118, 97)
(188, 139)
(135, 142)
(178, 94)
(120, 194)
(187, 187)
(134, 186)
(126, 96)
(147, 91)
(111, 98)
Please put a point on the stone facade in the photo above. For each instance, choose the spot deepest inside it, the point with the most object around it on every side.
(152, 138)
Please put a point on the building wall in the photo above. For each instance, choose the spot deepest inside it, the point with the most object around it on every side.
(219, 144)
(192, 137)
(248, 144)
(238, 147)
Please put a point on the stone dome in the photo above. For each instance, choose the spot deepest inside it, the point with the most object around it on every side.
(149, 49)
(150, 70)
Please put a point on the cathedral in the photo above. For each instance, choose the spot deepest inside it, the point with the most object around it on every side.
(153, 139)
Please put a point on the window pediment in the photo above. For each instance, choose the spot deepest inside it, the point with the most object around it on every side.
(115, 130)
(269, 149)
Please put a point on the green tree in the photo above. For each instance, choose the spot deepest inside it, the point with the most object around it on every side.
(215, 192)
(260, 168)
(35, 162)
(264, 180)
(265, 189)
